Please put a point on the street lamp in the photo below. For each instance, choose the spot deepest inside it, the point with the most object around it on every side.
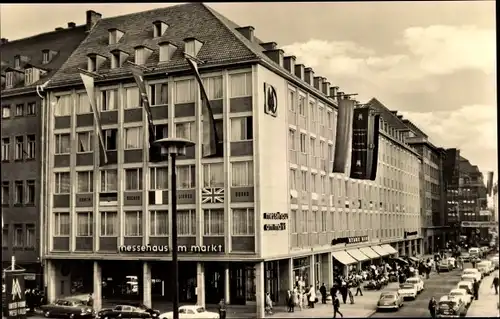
(174, 147)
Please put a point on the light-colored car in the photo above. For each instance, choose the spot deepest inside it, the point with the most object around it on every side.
(465, 257)
(474, 252)
(445, 265)
(495, 261)
(462, 295)
(408, 291)
(452, 261)
(191, 312)
(390, 300)
(472, 271)
(467, 286)
(419, 283)
(470, 278)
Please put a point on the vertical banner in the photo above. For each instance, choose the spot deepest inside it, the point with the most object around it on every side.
(359, 151)
(489, 183)
(344, 132)
(15, 299)
(373, 146)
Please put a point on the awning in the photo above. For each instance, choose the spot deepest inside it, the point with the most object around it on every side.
(401, 260)
(389, 248)
(381, 251)
(369, 252)
(343, 257)
(415, 259)
(357, 254)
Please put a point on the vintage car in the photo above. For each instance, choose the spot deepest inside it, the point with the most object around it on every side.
(390, 300)
(419, 283)
(472, 272)
(467, 286)
(408, 291)
(461, 294)
(451, 308)
(495, 261)
(465, 257)
(485, 267)
(191, 312)
(67, 308)
(127, 311)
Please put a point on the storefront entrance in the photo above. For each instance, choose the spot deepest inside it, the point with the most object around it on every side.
(214, 282)
(242, 283)
(272, 279)
(301, 269)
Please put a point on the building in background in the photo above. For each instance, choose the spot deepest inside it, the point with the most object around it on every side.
(451, 172)
(25, 64)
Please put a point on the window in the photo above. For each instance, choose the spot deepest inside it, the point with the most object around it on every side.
(158, 177)
(63, 143)
(184, 91)
(17, 61)
(291, 101)
(84, 224)
(213, 175)
(62, 183)
(19, 147)
(92, 63)
(133, 138)
(30, 192)
(243, 222)
(110, 139)
(19, 109)
(30, 236)
(109, 224)
(185, 130)
(5, 193)
(161, 131)
(19, 192)
(85, 182)
(10, 80)
(242, 174)
(63, 105)
(85, 142)
(18, 236)
(158, 94)
(61, 224)
(186, 176)
(302, 105)
(5, 236)
(159, 222)
(213, 87)
(83, 105)
(5, 149)
(186, 222)
(213, 221)
(241, 128)
(133, 179)
(45, 56)
(303, 145)
(241, 84)
(109, 100)
(30, 76)
(31, 147)
(109, 180)
(133, 99)
(303, 180)
(133, 224)
(5, 111)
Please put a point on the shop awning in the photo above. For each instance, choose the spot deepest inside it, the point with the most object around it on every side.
(369, 252)
(343, 257)
(357, 254)
(381, 251)
(389, 248)
(415, 259)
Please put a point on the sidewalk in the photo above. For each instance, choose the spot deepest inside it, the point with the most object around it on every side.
(487, 304)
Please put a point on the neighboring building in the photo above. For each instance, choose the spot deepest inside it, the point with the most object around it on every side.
(270, 202)
(432, 187)
(25, 64)
(451, 172)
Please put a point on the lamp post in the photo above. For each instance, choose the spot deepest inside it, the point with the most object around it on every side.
(174, 147)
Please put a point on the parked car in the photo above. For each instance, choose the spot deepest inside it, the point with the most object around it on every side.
(465, 257)
(495, 261)
(467, 286)
(419, 283)
(123, 311)
(486, 267)
(462, 295)
(191, 312)
(451, 308)
(475, 252)
(408, 291)
(472, 271)
(390, 300)
(444, 265)
(67, 308)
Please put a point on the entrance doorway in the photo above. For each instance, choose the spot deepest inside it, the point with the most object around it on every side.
(214, 282)
(241, 277)
(272, 279)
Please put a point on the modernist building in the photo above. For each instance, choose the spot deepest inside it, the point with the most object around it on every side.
(269, 205)
(25, 64)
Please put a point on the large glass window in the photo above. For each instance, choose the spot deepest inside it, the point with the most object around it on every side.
(243, 221)
(213, 221)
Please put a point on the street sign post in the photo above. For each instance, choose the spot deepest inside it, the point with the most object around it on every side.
(15, 303)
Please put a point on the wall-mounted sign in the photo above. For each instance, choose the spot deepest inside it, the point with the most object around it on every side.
(350, 240)
(270, 100)
(14, 294)
(410, 233)
(479, 224)
(484, 213)
(276, 226)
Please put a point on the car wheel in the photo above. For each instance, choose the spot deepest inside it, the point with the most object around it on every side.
(46, 314)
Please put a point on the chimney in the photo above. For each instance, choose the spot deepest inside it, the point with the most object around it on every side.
(247, 32)
(59, 29)
(318, 83)
(308, 75)
(289, 63)
(4, 40)
(71, 25)
(269, 45)
(92, 18)
(340, 95)
(299, 71)
(326, 87)
(333, 91)
(276, 55)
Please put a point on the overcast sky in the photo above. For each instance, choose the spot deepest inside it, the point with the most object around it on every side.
(432, 61)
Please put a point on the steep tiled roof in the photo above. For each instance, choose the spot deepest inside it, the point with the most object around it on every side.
(64, 42)
(387, 115)
(221, 45)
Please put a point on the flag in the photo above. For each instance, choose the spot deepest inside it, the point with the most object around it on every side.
(212, 145)
(344, 132)
(88, 82)
(359, 150)
(373, 137)
(489, 183)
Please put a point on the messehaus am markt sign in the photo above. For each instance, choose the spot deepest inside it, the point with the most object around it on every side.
(15, 302)
(479, 224)
(279, 221)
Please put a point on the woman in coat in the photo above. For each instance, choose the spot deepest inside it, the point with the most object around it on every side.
(312, 297)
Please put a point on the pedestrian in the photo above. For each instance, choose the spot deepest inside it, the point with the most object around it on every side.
(295, 298)
(475, 286)
(333, 290)
(351, 297)
(432, 307)
(90, 301)
(269, 304)
(322, 290)
(223, 309)
(312, 297)
(336, 307)
(289, 300)
(495, 284)
(358, 287)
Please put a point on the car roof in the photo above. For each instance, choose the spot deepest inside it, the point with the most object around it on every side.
(190, 307)
(463, 282)
(458, 290)
(468, 269)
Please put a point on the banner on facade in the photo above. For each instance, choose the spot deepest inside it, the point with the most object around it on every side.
(489, 183)
(15, 300)
(359, 148)
(344, 133)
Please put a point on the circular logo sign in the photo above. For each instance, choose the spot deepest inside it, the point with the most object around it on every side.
(272, 100)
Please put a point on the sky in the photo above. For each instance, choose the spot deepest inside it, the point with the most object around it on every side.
(434, 62)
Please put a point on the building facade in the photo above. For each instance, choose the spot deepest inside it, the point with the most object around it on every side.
(258, 219)
(27, 63)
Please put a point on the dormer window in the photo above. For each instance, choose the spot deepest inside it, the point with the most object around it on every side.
(17, 61)
(192, 46)
(115, 35)
(159, 28)
(32, 74)
(94, 61)
(142, 54)
(167, 50)
(9, 80)
(45, 56)
(118, 57)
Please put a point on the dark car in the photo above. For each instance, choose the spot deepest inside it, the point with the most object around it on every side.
(451, 309)
(67, 308)
(127, 311)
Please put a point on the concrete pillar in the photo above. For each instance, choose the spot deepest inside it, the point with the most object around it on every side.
(291, 277)
(312, 272)
(260, 297)
(326, 269)
(146, 284)
(200, 284)
(50, 273)
(97, 283)
(227, 281)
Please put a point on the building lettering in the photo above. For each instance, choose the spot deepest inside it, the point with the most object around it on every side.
(276, 216)
(280, 226)
(134, 197)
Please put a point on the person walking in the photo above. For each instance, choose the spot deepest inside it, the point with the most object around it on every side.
(295, 298)
(322, 290)
(358, 286)
(351, 296)
(222, 309)
(290, 300)
(269, 304)
(432, 307)
(495, 284)
(475, 286)
(312, 297)
(336, 307)
(333, 290)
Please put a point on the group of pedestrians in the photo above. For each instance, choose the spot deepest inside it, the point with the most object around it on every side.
(34, 299)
